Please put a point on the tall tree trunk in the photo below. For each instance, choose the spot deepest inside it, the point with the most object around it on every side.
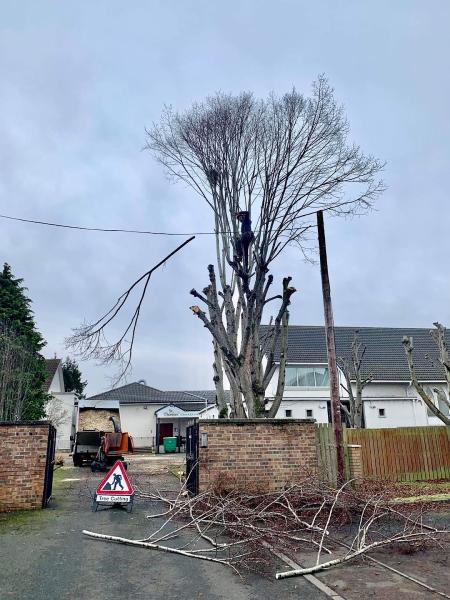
(408, 345)
(282, 368)
(358, 410)
(218, 382)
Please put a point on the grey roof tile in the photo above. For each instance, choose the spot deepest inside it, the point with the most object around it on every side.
(384, 357)
(51, 365)
(139, 393)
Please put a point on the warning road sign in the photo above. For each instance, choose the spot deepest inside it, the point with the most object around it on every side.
(116, 482)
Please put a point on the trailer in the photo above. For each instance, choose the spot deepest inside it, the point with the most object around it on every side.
(101, 448)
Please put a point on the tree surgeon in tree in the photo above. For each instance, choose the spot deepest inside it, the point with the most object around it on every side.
(263, 168)
(244, 241)
(274, 162)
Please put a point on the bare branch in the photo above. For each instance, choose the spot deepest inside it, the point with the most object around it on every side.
(89, 341)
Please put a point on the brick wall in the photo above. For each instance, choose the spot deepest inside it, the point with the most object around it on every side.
(256, 454)
(23, 452)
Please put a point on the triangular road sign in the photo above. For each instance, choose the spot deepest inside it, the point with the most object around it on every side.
(116, 482)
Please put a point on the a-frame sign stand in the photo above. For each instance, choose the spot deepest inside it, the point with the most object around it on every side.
(115, 489)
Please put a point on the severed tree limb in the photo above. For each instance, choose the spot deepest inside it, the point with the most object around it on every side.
(352, 555)
(89, 341)
(128, 542)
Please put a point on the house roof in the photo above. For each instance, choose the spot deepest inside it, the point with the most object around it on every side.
(139, 393)
(384, 357)
(52, 365)
(99, 404)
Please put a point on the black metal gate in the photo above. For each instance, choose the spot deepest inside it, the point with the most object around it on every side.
(192, 458)
(49, 466)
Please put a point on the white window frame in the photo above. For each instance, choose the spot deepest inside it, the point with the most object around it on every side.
(308, 387)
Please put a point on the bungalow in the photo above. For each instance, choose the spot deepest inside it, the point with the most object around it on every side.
(149, 414)
(389, 400)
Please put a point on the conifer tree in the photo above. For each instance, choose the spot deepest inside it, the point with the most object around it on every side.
(72, 378)
(22, 367)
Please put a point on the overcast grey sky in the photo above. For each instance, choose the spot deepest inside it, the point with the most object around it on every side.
(81, 80)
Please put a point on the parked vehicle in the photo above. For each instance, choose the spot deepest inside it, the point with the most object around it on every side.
(101, 448)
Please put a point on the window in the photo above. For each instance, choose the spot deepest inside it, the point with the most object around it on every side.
(309, 413)
(381, 412)
(288, 413)
(307, 377)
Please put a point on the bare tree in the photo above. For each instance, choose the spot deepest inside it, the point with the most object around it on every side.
(355, 381)
(17, 362)
(273, 162)
(438, 335)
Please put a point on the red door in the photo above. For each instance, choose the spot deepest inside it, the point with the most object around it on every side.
(165, 430)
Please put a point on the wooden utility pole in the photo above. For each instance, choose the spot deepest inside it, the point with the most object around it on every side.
(331, 350)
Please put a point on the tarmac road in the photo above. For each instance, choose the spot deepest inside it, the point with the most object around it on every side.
(44, 556)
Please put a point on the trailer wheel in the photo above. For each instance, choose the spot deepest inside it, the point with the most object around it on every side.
(77, 460)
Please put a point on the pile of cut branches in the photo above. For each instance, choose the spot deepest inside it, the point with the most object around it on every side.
(240, 529)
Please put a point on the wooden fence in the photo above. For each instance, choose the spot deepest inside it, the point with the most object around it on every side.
(398, 454)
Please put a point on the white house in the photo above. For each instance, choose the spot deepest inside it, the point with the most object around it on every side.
(389, 399)
(60, 408)
(149, 414)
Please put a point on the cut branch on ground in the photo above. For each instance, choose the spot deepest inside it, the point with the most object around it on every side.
(234, 527)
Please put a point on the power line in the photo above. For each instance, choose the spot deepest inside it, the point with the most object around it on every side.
(136, 231)
(115, 230)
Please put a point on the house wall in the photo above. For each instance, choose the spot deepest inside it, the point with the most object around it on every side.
(60, 410)
(57, 384)
(256, 454)
(211, 413)
(140, 422)
(298, 408)
(62, 406)
(402, 405)
(23, 453)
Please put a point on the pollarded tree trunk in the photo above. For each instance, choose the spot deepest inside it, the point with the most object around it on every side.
(439, 336)
(218, 382)
(353, 372)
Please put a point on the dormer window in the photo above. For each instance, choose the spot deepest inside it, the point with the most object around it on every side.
(313, 376)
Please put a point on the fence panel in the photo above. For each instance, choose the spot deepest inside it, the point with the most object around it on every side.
(404, 453)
